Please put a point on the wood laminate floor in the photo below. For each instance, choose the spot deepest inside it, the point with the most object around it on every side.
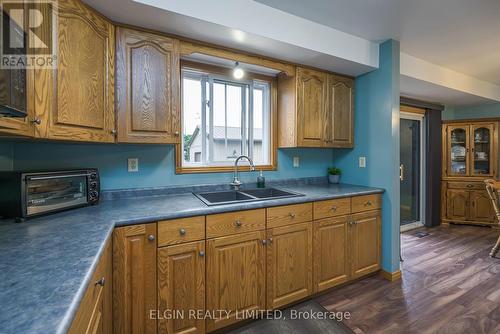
(449, 285)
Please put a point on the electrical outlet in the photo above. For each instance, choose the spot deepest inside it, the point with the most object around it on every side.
(362, 162)
(296, 162)
(133, 165)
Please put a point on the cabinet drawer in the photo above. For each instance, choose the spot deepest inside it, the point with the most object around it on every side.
(467, 185)
(365, 203)
(289, 214)
(176, 231)
(332, 208)
(235, 222)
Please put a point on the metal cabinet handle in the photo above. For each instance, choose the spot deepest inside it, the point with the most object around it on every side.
(270, 240)
(238, 223)
(470, 185)
(292, 215)
(100, 282)
(151, 237)
(113, 132)
(176, 133)
(182, 231)
(37, 121)
(264, 242)
(368, 203)
(201, 253)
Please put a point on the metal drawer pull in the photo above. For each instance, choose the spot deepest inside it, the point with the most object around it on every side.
(334, 208)
(100, 282)
(238, 223)
(368, 203)
(264, 242)
(182, 231)
(292, 215)
(151, 237)
(470, 186)
(201, 253)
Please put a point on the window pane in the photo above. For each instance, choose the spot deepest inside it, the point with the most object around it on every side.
(192, 113)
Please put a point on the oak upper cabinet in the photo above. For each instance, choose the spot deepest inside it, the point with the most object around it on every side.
(365, 244)
(289, 264)
(339, 118)
(147, 87)
(236, 276)
(311, 106)
(134, 279)
(75, 101)
(315, 109)
(331, 261)
(181, 287)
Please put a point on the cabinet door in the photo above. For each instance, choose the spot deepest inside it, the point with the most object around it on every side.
(181, 287)
(289, 264)
(235, 277)
(364, 241)
(311, 106)
(147, 88)
(339, 119)
(134, 279)
(457, 150)
(457, 204)
(481, 208)
(331, 263)
(75, 101)
(482, 154)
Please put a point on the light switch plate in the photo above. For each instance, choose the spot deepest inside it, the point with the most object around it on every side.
(296, 162)
(362, 162)
(132, 165)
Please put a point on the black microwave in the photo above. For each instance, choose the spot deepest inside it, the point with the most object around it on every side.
(28, 194)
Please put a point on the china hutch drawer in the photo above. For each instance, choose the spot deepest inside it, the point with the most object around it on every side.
(466, 185)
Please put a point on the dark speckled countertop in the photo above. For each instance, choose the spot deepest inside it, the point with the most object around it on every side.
(46, 263)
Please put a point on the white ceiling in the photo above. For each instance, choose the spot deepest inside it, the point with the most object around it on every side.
(463, 35)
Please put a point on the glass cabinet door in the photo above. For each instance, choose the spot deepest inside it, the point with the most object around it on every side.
(481, 150)
(458, 137)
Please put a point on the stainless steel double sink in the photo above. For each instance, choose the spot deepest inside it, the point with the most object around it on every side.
(241, 196)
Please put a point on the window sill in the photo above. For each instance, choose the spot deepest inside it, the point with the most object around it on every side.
(220, 169)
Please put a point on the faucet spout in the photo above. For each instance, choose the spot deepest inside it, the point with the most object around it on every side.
(236, 180)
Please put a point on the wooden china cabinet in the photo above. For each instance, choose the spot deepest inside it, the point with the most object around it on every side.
(470, 155)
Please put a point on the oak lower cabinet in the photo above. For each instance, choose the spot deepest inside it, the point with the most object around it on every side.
(289, 264)
(365, 242)
(134, 279)
(236, 276)
(94, 315)
(147, 87)
(331, 257)
(181, 288)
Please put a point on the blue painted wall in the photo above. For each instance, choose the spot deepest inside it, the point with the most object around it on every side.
(478, 111)
(156, 163)
(376, 137)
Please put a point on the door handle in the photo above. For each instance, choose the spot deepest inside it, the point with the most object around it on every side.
(401, 172)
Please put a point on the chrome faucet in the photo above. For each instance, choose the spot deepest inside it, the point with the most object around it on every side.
(236, 180)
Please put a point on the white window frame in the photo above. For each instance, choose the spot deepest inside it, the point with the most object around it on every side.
(247, 136)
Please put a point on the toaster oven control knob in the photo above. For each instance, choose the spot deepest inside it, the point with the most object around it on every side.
(94, 194)
(93, 185)
(93, 176)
